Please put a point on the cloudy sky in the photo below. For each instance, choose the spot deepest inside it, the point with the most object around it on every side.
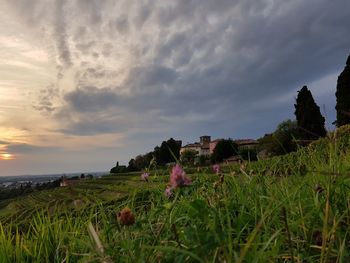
(86, 83)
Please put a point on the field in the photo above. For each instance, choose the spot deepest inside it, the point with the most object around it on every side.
(293, 208)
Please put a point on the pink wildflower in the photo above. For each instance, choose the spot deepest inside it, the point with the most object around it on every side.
(144, 177)
(216, 168)
(178, 177)
(167, 191)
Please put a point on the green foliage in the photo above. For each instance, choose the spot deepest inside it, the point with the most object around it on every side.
(296, 204)
(308, 115)
(167, 152)
(27, 188)
(224, 149)
(316, 156)
(7, 193)
(343, 96)
(188, 156)
(282, 141)
(140, 162)
(248, 154)
(203, 160)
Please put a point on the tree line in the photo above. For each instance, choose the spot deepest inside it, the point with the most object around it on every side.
(167, 152)
(309, 124)
(27, 188)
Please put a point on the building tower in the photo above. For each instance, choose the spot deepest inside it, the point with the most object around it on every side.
(204, 141)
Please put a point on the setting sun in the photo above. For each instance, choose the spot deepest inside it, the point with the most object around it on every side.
(6, 156)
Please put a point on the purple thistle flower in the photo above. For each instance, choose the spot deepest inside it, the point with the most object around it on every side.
(167, 191)
(216, 168)
(144, 177)
(178, 177)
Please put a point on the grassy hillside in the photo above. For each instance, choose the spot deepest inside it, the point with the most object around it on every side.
(293, 208)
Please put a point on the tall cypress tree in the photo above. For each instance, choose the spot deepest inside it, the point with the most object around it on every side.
(343, 96)
(308, 115)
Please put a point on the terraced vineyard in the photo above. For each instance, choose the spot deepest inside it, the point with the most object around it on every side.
(76, 197)
(293, 208)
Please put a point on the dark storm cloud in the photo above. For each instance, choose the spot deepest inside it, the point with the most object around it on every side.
(99, 111)
(88, 127)
(91, 99)
(147, 70)
(201, 60)
(90, 110)
(173, 46)
(146, 79)
(262, 50)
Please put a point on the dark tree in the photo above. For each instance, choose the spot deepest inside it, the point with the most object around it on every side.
(131, 166)
(343, 96)
(282, 140)
(174, 149)
(169, 151)
(286, 134)
(223, 150)
(143, 161)
(308, 115)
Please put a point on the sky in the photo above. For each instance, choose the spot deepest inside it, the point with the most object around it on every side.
(87, 83)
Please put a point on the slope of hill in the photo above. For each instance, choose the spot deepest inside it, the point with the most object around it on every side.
(293, 208)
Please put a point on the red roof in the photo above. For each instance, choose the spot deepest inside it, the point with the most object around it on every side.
(192, 145)
(246, 141)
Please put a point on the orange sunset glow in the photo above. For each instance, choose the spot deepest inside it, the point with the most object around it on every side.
(6, 156)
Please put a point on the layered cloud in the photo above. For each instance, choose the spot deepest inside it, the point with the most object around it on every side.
(152, 69)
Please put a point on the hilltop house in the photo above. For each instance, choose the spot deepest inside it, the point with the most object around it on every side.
(202, 147)
(206, 146)
(74, 180)
(68, 182)
(247, 144)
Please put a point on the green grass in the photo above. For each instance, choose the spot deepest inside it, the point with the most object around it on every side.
(293, 208)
